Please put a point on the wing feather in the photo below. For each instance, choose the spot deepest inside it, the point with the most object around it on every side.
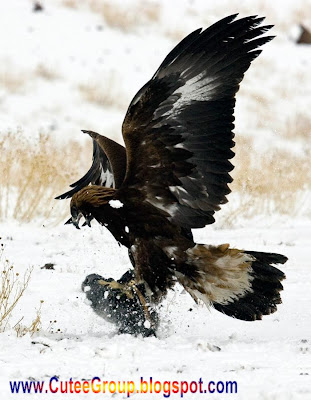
(178, 129)
(107, 169)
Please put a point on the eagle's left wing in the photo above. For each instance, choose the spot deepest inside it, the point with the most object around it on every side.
(108, 166)
(178, 128)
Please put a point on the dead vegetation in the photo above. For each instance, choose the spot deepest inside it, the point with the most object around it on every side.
(296, 12)
(124, 16)
(12, 288)
(298, 126)
(33, 174)
(128, 15)
(105, 94)
(45, 72)
(12, 80)
(274, 183)
(33, 327)
(15, 80)
(70, 3)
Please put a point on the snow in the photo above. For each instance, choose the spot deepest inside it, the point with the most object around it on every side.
(270, 359)
(51, 64)
(147, 324)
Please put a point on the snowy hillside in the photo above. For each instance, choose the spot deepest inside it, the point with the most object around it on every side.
(76, 65)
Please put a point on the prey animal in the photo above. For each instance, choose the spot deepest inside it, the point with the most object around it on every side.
(170, 178)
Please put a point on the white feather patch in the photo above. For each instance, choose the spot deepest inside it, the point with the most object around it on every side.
(220, 280)
(198, 88)
(115, 203)
(157, 201)
(107, 179)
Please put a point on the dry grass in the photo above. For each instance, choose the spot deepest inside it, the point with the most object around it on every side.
(11, 79)
(298, 126)
(127, 15)
(107, 94)
(122, 16)
(45, 72)
(268, 184)
(70, 3)
(125, 18)
(34, 327)
(32, 175)
(297, 12)
(12, 288)
(176, 34)
(15, 81)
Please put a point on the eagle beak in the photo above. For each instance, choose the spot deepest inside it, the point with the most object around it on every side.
(88, 219)
(75, 220)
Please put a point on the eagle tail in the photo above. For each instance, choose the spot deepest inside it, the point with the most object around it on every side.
(240, 284)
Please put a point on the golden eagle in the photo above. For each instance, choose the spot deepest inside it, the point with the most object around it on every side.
(171, 178)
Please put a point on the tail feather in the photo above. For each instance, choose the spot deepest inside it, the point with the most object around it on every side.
(269, 258)
(266, 286)
(240, 284)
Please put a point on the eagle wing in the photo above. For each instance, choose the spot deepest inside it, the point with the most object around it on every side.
(108, 166)
(178, 129)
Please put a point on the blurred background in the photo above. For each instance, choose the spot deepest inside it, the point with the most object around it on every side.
(67, 65)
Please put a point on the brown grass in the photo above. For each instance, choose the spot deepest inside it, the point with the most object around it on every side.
(12, 80)
(12, 288)
(45, 72)
(71, 3)
(298, 126)
(298, 11)
(32, 175)
(106, 94)
(176, 34)
(126, 18)
(34, 327)
(267, 184)
(121, 16)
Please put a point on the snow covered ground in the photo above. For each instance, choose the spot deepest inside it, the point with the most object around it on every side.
(74, 66)
(269, 359)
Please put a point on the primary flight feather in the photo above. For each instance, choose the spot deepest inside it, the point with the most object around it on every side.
(174, 175)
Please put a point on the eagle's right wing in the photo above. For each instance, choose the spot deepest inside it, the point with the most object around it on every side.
(108, 166)
(178, 129)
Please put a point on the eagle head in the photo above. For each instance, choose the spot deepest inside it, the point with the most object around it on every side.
(84, 202)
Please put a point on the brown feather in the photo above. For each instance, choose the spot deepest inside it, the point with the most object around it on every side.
(116, 155)
(95, 196)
